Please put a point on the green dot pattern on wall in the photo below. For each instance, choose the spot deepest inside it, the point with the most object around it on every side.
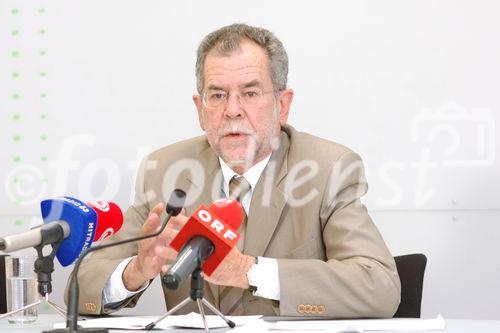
(18, 222)
(26, 47)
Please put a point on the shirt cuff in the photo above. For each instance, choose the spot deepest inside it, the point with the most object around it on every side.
(264, 275)
(114, 290)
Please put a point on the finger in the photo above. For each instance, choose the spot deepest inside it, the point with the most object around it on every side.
(151, 224)
(153, 220)
(148, 246)
(167, 235)
(159, 208)
(156, 263)
(235, 252)
(165, 252)
(178, 221)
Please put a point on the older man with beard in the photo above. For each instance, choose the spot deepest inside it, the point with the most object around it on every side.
(308, 245)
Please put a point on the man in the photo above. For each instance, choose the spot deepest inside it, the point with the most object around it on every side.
(308, 245)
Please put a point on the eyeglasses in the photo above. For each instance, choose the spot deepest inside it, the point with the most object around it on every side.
(250, 97)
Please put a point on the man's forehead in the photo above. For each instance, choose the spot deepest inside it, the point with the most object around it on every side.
(236, 61)
(247, 63)
(247, 49)
(237, 75)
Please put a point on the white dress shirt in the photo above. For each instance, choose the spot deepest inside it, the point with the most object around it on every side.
(263, 275)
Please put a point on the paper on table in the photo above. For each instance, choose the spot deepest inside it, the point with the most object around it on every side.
(191, 320)
(360, 325)
(125, 323)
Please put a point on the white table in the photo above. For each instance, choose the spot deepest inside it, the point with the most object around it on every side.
(45, 322)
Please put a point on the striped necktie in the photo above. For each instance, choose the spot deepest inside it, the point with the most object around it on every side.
(230, 298)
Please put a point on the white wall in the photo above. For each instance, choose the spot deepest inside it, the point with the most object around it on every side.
(412, 86)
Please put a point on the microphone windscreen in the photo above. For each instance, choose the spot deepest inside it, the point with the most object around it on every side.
(176, 202)
(219, 224)
(82, 220)
(109, 219)
(229, 211)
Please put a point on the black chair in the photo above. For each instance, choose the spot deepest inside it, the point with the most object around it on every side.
(411, 268)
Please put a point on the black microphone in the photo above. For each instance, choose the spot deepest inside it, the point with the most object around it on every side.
(192, 255)
(174, 207)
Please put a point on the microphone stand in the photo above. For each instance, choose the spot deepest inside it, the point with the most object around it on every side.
(174, 207)
(44, 266)
(196, 295)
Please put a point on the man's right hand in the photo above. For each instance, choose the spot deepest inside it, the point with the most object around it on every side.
(154, 254)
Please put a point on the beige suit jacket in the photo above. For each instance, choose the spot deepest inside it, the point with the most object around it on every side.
(332, 260)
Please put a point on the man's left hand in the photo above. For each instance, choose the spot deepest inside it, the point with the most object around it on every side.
(232, 271)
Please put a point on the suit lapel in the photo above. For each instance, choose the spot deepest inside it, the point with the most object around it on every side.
(204, 190)
(268, 201)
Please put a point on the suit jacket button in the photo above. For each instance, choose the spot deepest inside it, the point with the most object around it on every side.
(91, 307)
(314, 309)
(321, 309)
(308, 308)
(300, 308)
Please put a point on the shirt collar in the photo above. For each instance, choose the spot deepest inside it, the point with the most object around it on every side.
(252, 175)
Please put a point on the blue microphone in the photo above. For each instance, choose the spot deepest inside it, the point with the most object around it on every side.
(80, 224)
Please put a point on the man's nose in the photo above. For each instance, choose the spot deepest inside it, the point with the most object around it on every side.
(233, 107)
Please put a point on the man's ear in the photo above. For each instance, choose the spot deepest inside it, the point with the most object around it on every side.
(199, 108)
(285, 101)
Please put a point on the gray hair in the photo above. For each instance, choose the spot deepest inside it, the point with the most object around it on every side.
(227, 39)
